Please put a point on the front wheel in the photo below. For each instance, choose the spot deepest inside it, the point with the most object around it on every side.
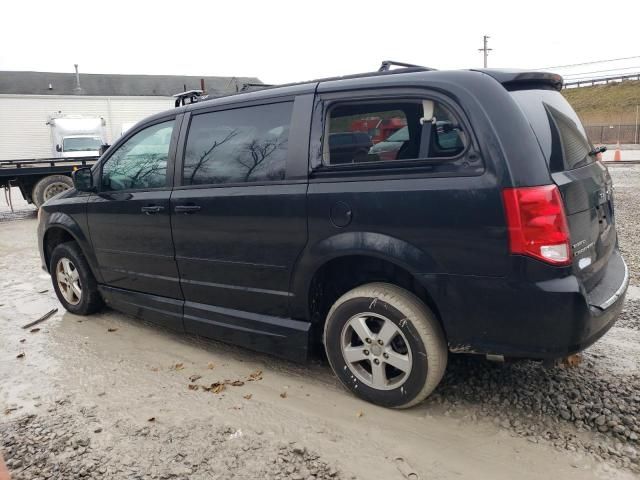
(385, 345)
(73, 281)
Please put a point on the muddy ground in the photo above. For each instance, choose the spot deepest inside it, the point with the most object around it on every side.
(112, 397)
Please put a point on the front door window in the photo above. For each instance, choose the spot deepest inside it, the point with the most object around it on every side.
(140, 162)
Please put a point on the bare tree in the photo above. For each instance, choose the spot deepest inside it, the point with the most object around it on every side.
(206, 155)
(136, 170)
(258, 153)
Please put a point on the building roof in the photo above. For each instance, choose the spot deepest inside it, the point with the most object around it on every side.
(98, 84)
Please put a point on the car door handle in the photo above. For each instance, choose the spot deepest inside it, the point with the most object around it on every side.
(187, 208)
(151, 209)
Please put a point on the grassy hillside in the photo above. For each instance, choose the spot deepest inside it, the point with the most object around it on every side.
(601, 104)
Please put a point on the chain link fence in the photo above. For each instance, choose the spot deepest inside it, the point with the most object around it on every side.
(609, 134)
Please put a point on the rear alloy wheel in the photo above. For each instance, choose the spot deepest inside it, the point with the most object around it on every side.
(385, 345)
(381, 360)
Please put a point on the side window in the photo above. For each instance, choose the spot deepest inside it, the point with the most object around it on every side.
(141, 162)
(390, 131)
(241, 145)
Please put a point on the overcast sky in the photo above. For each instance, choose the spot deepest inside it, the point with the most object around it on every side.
(281, 41)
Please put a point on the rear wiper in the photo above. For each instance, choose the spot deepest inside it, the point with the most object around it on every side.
(596, 150)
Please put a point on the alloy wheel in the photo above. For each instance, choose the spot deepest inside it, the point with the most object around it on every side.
(376, 351)
(68, 280)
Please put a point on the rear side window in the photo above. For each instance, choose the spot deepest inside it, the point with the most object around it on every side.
(391, 130)
(558, 129)
(241, 145)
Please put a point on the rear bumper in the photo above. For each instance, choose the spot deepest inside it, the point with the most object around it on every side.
(517, 316)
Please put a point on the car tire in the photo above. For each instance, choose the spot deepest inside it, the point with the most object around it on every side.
(73, 281)
(404, 353)
(49, 187)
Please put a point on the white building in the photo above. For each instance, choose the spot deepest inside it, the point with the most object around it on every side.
(28, 99)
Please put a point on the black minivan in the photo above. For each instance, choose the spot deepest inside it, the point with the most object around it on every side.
(488, 228)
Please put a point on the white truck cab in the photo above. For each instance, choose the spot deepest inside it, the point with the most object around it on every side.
(77, 136)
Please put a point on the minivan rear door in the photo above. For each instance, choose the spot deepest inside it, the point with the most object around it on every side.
(583, 181)
(239, 220)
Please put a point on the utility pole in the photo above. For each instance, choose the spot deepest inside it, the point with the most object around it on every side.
(485, 49)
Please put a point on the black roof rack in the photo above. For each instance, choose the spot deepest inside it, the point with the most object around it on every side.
(190, 96)
(247, 86)
(194, 96)
(386, 65)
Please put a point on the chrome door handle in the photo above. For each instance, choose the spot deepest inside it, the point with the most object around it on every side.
(151, 209)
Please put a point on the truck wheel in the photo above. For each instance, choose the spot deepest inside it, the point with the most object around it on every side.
(385, 345)
(49, 187)
(73, 280)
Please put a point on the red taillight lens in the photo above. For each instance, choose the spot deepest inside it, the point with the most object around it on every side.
(537, 223)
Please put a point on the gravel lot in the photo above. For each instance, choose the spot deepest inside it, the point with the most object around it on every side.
(110, 397)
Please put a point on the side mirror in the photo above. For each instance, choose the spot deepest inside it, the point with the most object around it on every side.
(83, 179)
(58, 148)
(103, 148)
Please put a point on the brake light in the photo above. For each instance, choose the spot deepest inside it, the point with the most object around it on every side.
(537, 223)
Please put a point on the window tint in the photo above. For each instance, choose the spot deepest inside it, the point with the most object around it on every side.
(141, 162)
(241, 145)
(559, 131)
(375, 131)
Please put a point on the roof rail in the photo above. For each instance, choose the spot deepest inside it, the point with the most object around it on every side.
(386, 65)
(192, 96)
(247, 86)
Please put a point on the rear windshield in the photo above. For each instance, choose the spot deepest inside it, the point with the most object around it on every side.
(560, 133)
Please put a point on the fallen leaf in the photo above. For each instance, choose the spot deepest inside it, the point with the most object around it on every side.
(111, 329)
(257, 375)
(152, 419)
(359, 414)
(210, 365)
(247, 396)
(43, 291)
(22, 340)
(20, 355)
(283, 395)
(195, 377)
(237, 383)
(217, 387)
(193, 386)
(154, 369)
(177, 366)
(8, 410)
(34, 330)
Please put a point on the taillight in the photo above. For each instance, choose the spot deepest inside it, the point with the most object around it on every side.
(537, 223)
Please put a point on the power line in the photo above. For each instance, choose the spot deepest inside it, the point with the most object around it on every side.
(590, 63)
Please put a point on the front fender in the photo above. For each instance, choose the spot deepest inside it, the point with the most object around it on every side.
(370, 244)
(74, 223)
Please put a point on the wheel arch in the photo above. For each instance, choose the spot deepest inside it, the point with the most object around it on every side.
(62, 228)
(358, 258)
